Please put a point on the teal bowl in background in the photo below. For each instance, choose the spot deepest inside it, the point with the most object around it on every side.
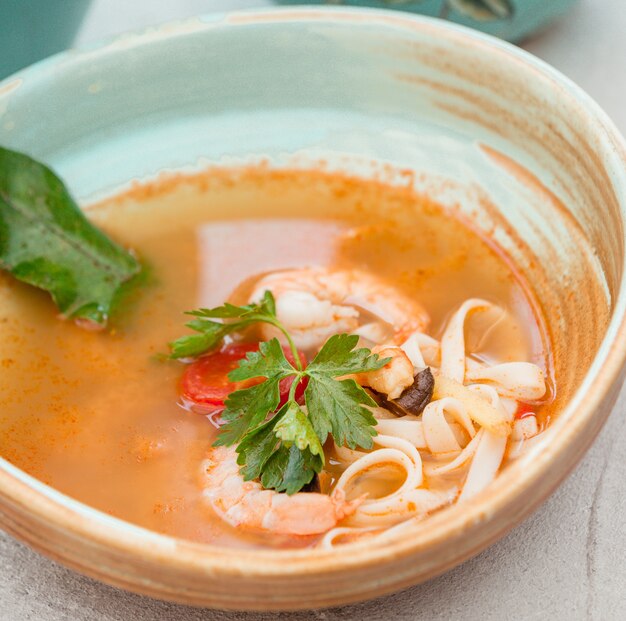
(33, 29)
(512, 20)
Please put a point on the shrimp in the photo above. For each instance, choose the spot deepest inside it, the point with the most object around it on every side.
(394, 377)
(315, 303)
(246, 505)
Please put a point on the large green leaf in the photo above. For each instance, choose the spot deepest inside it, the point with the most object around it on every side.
(46, 241)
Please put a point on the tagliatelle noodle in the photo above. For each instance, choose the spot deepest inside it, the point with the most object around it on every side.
(460, 460)
(519, 380)
(453, 340)
(437, 433)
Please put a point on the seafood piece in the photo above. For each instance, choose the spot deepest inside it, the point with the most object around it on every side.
(394, 377)
(246, 505)
(315, 303)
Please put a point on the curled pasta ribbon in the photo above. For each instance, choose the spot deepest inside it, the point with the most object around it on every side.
(525, 437)
(430, 349)
(329, 540)
(489, 450)
(485, 464)
(490, 394)
(453, 339)
(394, 506)
(348, 455)
(409, 428)
(525, 428)
(481, 410)
(417, 505)
(519, 380)
(460, 460)
(392, 509)
(437, 432)
(382, 457)
(415, 477)
(411, 347)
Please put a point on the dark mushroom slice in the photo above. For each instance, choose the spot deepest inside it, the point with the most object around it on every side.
(414, 399)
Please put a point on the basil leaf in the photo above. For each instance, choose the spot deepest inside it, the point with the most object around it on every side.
(46, 241)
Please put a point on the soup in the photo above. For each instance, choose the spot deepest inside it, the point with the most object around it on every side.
(461, 386)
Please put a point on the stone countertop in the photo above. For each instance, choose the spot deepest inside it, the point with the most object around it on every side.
(565, 562)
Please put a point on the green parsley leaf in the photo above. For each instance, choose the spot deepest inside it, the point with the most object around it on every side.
(266, 307)
(246, 409)
(210, 336)
(212, 333)
(294, 427)
(283, 465)
(339, 406)
(284, 453)
(257, 447)
(338, 357)
(269, 361)
(290, 469)
(46, 241)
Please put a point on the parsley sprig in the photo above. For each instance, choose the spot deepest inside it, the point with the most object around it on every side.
(210, 333)
(283, 447)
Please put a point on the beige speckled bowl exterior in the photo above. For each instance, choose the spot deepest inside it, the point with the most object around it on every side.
(488, 130)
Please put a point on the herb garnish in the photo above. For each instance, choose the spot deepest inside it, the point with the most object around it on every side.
(283, 449)
(211, 333)
(46, 241)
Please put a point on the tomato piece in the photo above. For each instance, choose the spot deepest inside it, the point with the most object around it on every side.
(524, 410)
(206, 380)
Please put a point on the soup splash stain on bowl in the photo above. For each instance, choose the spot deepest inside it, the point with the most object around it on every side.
(400, 104)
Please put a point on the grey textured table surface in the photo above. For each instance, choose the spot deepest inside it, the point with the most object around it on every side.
(567, 561)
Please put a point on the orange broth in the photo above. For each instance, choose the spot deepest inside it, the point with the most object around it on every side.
(97, 415)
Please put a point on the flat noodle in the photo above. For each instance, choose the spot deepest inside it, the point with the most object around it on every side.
(437, 432)
(453, 340)
(520, 447)
(377, 458)
(391, 510)
(348, 455)
(430, 349)
(525, 428)
(490, 394)
(480, 410)
(459, 460)
(392, 507)
(485, 465)
(520, 380)
(408, 428)
(327, 542)
(411, 348)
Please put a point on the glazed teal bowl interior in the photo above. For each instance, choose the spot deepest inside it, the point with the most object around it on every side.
(490, 132)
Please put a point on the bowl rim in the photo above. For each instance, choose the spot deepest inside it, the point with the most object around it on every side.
(84, 522)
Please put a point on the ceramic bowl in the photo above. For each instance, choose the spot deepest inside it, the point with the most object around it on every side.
(486, 129)
(512, 20)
